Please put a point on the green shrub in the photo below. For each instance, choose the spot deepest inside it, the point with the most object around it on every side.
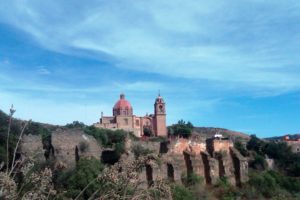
(148, 132)
(226, 191)
(76, 124)
(191, 179)
(182, 193)
(106, 137)
(181, 129)
(264, 183)
(86, 172)
(273, 184)
(288, 183)
(139, 150)
(241, 148)
(255, 144)
(158, 139)
(259, 162)
(287, 161)
(223, 182)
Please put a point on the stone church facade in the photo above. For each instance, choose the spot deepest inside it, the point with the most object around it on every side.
(123, 118)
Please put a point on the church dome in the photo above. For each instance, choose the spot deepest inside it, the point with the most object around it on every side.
(122, 107)
(122, 103)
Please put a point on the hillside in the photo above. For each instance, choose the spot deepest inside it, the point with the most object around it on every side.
(76, 154)
(292, 137)
(207, 132)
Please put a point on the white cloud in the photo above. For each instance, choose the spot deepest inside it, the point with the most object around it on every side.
(240, 44)
(115, 87)
(42, 70)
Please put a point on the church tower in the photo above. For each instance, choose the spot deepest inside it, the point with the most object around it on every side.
(160, 117)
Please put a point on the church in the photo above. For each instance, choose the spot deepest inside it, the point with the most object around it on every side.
(123, 118)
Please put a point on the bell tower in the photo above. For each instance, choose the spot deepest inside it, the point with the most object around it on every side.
(160, 117)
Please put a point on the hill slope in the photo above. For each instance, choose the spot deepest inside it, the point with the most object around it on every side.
(207, 132)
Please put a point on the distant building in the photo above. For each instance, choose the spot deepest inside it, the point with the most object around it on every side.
(123, 118)
(293, 143)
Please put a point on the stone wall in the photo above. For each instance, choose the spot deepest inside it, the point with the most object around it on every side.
(211, 159)
(67, 146)
(180, 145)
(32, 147)
(295, 146)
(185, 157)
(65, 141)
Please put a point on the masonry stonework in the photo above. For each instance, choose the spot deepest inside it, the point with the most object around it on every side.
(187, 156)
(182, 157)
(67, 145)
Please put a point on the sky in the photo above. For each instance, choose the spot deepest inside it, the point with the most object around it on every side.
(232, 64)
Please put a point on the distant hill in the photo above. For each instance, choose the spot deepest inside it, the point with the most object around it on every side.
(208, 132)
(292, 137)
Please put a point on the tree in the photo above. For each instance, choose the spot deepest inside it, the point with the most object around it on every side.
(148, 131)
(241, 148)
(255, 144)
(76, 124)
(181, 129)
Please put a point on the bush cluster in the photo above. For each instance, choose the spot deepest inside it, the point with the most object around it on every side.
(76, 124)
(109, 138)
(182, 129)
(287, 161)
(138, 151)
(85, 173)
(271, 184)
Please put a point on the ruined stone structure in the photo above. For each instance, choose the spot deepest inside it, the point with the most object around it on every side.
(211, 159)
(32, 147)
(294, 144)
(70, 145)
(172, 159)
(64, 148)
(123, 118)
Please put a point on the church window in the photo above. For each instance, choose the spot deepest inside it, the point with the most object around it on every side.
(161, 108)
(137, 122)
(126, 121)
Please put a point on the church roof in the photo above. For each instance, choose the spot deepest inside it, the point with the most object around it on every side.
(122, 103)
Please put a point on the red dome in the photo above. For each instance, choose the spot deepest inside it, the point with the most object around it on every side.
(122, 103)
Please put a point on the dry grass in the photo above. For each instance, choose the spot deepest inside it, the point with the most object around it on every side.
(122, 181)
(42, 182)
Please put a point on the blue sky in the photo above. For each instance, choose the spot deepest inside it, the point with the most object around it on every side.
(232, 64)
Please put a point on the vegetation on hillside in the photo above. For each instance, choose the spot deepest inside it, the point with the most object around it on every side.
(91, 179)
(287, 161)
(181, 129)
(109, 139)
(281, 182)
(75, 181)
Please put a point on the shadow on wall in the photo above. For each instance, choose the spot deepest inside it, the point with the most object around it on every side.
(109, 157)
